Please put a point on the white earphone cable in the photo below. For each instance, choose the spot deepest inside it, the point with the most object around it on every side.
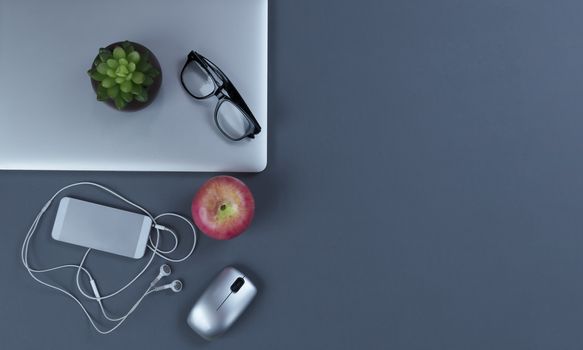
(152, 246)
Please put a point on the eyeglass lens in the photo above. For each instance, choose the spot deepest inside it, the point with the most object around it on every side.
(232, 120)
(197, 81)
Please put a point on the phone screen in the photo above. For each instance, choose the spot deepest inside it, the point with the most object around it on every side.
(102, 228)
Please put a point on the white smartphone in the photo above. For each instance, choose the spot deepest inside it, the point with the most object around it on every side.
(103, 228)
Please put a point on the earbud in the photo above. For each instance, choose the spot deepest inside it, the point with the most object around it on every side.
(165, 270)
(175, 286)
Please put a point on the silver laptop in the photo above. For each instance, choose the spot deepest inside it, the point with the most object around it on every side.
(51, 120)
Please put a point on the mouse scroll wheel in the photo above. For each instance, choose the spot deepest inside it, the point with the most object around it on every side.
(239, 282)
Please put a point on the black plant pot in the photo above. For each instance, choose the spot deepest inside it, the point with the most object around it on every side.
(152, 89)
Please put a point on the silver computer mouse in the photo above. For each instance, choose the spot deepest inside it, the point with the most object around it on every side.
(222, 303)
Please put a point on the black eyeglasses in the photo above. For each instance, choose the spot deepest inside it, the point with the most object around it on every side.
(202, 79)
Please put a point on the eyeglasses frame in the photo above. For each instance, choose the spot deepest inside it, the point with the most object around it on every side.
(224, 90)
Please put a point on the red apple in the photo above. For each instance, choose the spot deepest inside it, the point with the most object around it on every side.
(223, 207)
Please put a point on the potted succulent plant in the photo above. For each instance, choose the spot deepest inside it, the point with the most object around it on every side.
(126, 75)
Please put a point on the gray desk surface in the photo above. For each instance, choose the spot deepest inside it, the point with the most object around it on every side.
(423, 191)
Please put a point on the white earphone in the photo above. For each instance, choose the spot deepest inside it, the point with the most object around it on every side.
(165, 270)
(175, 286)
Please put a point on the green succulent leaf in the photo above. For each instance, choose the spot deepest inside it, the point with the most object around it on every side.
(143, 66)
(119, 102)
(128, 97)
(127, 46)
(148, 80)
(122, 71)
(126, 86)
(137, 89)
(112, 63)
(120, 80)
(134, 56)
(107, 82)
(131, 66)
(138, 78)
(110, 73)
(97, 76)
(119, 52)
(104, 54)
(142, 96)
(102, 68)
(102, 93)
(145, 57)
(153, 72)
(123, 61)
(113, 91)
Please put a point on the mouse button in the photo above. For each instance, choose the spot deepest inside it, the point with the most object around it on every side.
(235, 305)
(249, 287)
(217, 296)
(226, 278)
(243, 297)
(220, 287)
(231, 309)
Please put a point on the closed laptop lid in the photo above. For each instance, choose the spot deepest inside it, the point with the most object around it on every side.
(49, 116)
